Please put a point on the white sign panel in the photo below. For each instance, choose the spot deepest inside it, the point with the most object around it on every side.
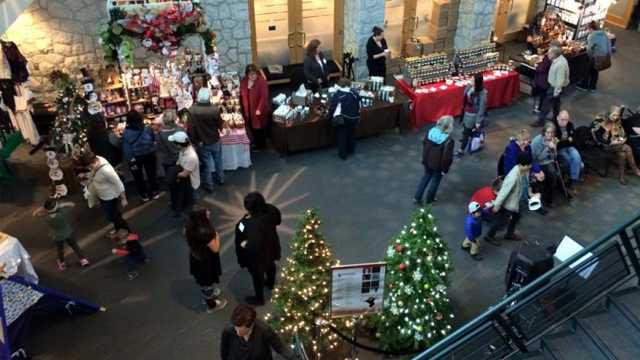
(357, 289)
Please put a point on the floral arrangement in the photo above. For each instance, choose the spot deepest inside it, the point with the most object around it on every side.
(60, 79)
(160, 30)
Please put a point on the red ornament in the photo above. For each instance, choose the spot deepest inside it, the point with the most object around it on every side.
(438, 316)
(401, 266)
(399, 248)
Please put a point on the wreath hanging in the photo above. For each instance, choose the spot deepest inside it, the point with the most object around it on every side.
(160, 30)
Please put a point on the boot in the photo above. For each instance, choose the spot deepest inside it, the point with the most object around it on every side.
(622, 167)
(631, 160)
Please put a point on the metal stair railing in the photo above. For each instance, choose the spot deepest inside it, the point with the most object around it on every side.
(514, 324)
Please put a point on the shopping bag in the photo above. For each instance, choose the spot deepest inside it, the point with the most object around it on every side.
(476, 143)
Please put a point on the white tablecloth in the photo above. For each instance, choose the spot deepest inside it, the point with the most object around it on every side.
(16, 259)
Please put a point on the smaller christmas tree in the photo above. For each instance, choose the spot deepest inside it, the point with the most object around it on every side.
(70, 127)
(417, 311)
(304, 292)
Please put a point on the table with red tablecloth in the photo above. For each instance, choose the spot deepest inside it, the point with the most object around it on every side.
(429, 106)
(235, 149)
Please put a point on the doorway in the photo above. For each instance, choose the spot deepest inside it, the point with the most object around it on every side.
(405, 20)
(511, 16)
(281, 29)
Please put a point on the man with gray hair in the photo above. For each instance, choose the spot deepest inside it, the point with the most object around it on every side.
(203, 127)
(558, 79)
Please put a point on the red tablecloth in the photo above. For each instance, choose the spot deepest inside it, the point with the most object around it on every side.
(430, 106)
(235, 136)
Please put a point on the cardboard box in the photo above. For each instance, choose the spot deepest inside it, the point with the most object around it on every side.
(440, 12)
(412, 48)
(301, 100)
(437, 33)
(427, 45)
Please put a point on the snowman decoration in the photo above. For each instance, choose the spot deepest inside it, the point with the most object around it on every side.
(56, 175)
(87, 86)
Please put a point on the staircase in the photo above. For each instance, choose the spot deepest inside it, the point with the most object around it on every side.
(611, 330)
(9, 12)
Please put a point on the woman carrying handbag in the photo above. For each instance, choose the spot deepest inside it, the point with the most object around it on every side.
(345, 111)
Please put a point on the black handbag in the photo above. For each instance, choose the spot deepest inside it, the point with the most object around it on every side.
(338, 120)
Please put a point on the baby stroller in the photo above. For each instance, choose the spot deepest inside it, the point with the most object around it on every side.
(527, 263)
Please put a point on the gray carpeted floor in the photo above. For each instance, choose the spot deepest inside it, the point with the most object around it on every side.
(363, 201)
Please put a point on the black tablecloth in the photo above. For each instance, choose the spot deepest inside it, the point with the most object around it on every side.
(576, 63)
(315, 132)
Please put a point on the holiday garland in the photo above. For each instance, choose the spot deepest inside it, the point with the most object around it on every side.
(159, 30)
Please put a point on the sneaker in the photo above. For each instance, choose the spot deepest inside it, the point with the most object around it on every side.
(592, 90)
(144, 198)
(492, 240)
(417, 201)
(476, 257)
(220, 304)
(84, 262)
(252, 300)
(155, 195)
(111, 233)
(467, 249)
(536, 110)
(513, 236)
(458, 154)
(62, 266)
(132, 275)
(581, 88)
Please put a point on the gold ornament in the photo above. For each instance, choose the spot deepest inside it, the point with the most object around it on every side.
(400, 303)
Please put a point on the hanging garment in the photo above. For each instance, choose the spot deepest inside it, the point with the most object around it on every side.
(5, 69)
(17, 62)
(8, 93)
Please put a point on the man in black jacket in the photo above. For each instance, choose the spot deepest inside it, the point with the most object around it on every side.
(258, 244)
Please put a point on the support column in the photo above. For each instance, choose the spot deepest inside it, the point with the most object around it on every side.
(360, 16)
(475, 23)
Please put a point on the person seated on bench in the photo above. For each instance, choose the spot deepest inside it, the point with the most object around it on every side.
(544, 147)
(315, 68)
(567, 152)
(631, 126)
(607, 131)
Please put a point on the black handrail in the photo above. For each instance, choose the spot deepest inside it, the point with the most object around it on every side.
(450, 342)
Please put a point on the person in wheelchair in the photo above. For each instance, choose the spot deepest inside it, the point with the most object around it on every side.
(631, 126)
(567, 152)
(607, 130)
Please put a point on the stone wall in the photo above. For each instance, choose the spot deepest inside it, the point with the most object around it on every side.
(360, 16)
(63, 34)
(475, 23)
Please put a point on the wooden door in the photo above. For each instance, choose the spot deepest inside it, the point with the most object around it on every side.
(511, 16)
(619, 13)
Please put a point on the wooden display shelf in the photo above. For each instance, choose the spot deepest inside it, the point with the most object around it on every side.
(113, 102)
(141, 101)
(114, 115)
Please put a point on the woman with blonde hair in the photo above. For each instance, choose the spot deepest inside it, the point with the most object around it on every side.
(437, 156)
(607, 130)
(166, 148)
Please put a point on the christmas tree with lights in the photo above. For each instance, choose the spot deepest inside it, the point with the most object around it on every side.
(416, 308)
(70, 127)
(303, 295)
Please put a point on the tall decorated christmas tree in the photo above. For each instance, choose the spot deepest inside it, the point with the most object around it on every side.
(416, 308)
(303, 295)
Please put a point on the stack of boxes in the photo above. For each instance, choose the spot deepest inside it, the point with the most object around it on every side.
(442, 27)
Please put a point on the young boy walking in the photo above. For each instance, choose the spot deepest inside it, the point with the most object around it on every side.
(132, 250)
(60, 230)
(473, 230)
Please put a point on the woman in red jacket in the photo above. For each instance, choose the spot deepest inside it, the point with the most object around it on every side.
(255, 106)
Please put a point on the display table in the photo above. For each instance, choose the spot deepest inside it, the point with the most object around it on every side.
(430, 106)
(235, 149)
(16, 259)
(316, 132)
(576, 63)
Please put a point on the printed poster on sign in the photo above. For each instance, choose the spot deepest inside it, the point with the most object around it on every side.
(357, 289)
